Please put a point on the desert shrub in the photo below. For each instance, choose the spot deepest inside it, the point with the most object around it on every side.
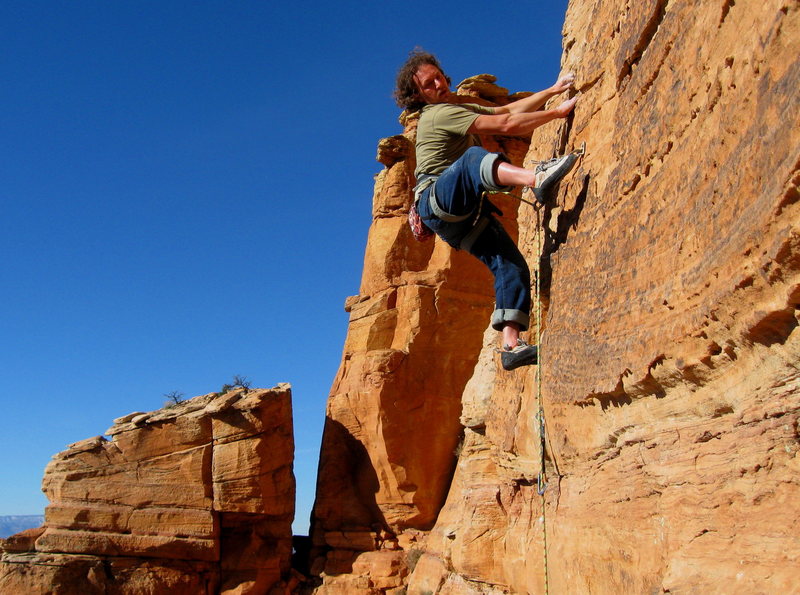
(173, 398)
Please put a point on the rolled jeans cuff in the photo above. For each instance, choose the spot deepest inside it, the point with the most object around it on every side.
(501, 316)
(487, 172)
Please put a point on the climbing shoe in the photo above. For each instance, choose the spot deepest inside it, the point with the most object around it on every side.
(549, 174)
(522, 355)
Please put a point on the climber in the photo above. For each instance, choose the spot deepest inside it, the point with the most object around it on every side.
(452, 174)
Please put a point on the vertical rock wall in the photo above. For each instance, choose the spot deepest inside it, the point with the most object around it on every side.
(670, 353)
(670, 269)
(197, 498)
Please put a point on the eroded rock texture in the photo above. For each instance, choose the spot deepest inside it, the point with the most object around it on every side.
(195, 498)
(670, 271)
(392, 424)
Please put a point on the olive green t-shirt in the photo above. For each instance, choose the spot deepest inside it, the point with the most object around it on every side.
(442, 134)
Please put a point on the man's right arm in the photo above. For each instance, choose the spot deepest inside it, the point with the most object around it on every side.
(519, 124)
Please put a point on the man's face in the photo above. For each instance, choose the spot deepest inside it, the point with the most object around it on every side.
(431, 84)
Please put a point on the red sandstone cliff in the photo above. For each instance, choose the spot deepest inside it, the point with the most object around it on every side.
(194, 499)
(670, 267)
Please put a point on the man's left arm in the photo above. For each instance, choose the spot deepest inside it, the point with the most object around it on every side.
(537, 100)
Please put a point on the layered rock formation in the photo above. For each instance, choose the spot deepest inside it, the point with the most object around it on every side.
(669, 378)
(670, 271)
(195, 498)
(392, 425)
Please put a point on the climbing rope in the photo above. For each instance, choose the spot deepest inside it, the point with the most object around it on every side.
(541, 481)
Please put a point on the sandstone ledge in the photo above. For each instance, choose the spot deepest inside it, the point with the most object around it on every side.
(194, 498)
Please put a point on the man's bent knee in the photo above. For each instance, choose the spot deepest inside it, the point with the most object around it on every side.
(489, 165)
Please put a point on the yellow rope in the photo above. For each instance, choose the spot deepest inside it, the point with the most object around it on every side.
(542, 480)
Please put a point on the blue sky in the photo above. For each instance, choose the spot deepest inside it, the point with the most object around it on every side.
(186, 191)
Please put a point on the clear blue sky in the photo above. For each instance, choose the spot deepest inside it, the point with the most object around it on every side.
(186, 191)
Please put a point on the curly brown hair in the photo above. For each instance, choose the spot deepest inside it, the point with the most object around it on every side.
(406, 93)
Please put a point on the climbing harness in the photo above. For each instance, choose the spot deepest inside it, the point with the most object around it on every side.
(480, 221)
(422, 232)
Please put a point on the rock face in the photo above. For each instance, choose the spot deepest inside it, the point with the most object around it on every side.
(392, 424)
(194, 498)
(670, 273)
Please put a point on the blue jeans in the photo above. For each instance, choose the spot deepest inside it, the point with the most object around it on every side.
(458, 193)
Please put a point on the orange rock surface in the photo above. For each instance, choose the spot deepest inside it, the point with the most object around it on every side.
(414, 336)
(670, 272)
(194, 498)
(669, 378)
